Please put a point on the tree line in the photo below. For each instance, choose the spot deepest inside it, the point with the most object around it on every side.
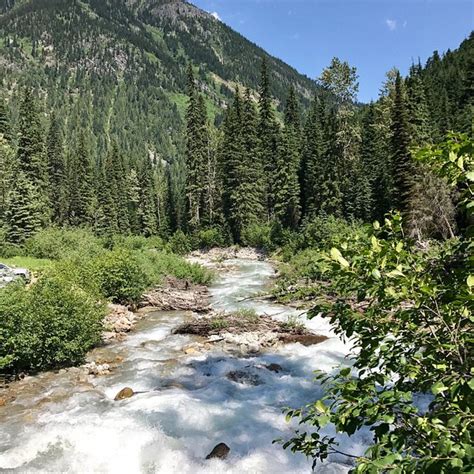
(258, 167)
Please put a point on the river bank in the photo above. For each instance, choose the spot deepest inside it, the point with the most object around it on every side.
(185, 402)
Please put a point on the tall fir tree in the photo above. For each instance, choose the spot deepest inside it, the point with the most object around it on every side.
(57, 175)
(401, 157)
(196, 153)
(286, 182)
(82, 182)
(268, 133)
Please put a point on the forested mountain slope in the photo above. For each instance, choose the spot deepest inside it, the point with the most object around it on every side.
(119, 66)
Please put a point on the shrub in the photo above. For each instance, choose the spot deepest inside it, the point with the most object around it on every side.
(55, 243)
(259, 236)
(209, 238)
(158, 265)
(51, 324)
(180, 243)
(120, 276)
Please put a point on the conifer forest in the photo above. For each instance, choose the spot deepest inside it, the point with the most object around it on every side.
(306, 258)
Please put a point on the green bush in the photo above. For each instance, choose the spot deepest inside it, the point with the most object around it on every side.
(51, 324)
(209, 238)
(119, 275)
(158, 265)
(55, 243)
(135, 242)
(180, 243)
(258, 236)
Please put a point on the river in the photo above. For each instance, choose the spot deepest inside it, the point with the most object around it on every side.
(61, 422)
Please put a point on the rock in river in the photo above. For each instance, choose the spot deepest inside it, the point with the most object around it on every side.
(220, 451)
(126, 392)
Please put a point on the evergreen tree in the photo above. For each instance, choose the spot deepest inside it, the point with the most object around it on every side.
(196, 152)
(147, 209)
(30, 152)
(5, 127)
(286, 182)
(401, 158)
(417, 108)
(268, 132)
(81, 184)
(24, 209)
(56, 172)
(6, 177)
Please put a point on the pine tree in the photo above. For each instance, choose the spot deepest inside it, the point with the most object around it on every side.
(6, 177)
(417, 105)
(5, 127)
(196, 153)
(81, 184)
(268, 133)
(30, 152)
(286, 182)
(147, 209)
(56, 172)
(232, 152)
(312, 156)
(401, 157)
(24, 209)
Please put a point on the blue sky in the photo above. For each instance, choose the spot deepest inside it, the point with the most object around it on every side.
(373, 35)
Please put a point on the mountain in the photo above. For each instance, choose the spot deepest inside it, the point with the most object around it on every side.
(119, 66)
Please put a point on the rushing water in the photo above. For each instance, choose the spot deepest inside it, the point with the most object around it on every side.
(64, 423)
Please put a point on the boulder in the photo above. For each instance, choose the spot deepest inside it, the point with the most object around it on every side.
(244, 377)
(274, 367)
(221, 451)
(126, 392)
(3, 402)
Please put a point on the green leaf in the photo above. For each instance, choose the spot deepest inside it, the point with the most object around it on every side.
(395, 273)
(470, 176)
(438, 387)
(345, 372)
(320, 406)
(470, 281)
(376, 274)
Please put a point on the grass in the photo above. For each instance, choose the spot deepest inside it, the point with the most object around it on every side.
(181, 101)
(31, 263)
(293, 322)
(219, 323)
(248, 315)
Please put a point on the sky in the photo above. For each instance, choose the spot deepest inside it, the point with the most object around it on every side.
(373, 35)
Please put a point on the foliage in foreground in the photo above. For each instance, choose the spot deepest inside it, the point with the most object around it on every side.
(409, 312)
(56, 320)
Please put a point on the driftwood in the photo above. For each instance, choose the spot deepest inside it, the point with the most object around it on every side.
(222, 323)
(178, 295)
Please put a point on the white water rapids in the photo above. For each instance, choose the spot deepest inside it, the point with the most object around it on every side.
(60, 424)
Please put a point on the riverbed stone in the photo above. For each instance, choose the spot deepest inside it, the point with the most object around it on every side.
(220, 451)
(274, 367)
(126, 392)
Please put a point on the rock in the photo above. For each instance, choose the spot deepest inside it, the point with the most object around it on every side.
(215, 338)
(126, 392)
(254, 348)
(191, 350)
(243, 377)
(97, 369)
(221, 451)
(3, 402)
(274, 367)
(304, 339)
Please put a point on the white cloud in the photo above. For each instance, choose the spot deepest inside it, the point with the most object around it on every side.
(216, 16)
(405, 23)
(391, 24)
